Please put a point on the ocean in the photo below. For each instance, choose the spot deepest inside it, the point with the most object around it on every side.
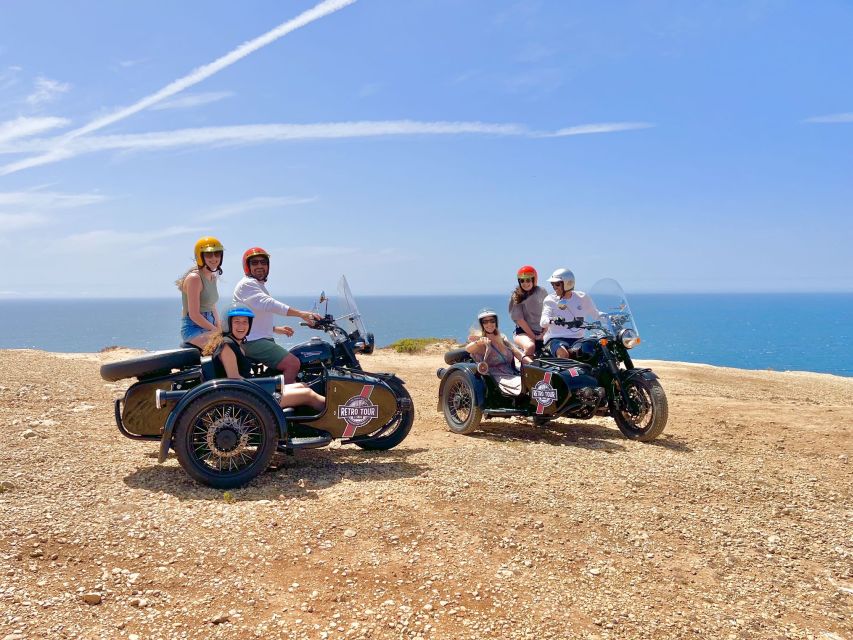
(800, 332)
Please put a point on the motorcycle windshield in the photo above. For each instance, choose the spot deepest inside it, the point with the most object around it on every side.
(351, 309)
(608, 296)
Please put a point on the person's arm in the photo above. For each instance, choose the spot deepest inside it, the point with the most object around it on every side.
(547, 314)
(475, 346)
(257, 299)
(192, 284)
(216, 319)
(307, 316)
(526, 328)
(229, 361)
(518, 353)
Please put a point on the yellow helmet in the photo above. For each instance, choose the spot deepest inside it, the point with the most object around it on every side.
(207, 244)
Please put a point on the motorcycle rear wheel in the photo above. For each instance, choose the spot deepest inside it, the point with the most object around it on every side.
(225, 439)
(404, 423)
(649, 419)
(459, 404)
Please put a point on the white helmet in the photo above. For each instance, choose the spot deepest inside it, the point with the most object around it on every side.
(565, 276)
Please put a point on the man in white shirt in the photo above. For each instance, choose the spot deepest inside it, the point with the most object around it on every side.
(252, 292)
(565, 305)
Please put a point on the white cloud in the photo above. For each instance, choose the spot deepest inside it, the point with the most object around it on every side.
(46, 90)
(16, 221)
(254, 204)
(832, 118)
(59, 151)
(48, 199)
(23, 127)
(261, 133)
(100, 239)
(126, 64)
(190, 100)
(601, 127)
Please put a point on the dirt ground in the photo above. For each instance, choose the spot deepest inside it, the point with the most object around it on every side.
(736, 523)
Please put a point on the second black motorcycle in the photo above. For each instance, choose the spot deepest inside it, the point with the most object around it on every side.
(597, 379)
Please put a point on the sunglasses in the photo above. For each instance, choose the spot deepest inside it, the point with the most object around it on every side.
(556, 284)
(256, 261)
(489, 321)
(523, 280)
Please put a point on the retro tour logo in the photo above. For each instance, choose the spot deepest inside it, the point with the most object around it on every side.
(543, 393)
(358, 411)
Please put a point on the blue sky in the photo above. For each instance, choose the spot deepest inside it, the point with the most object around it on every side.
(426, 146)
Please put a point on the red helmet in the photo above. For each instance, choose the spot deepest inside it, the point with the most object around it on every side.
(250, 253)
(528, 272)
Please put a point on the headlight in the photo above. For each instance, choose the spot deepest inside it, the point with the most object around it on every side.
(629, 338)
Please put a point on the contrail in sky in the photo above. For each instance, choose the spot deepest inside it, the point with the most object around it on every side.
(197, 75)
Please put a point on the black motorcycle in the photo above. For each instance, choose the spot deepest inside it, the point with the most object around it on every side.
(225, 431)
(598, 378)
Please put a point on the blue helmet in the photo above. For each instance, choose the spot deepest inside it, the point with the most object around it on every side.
(241, 311)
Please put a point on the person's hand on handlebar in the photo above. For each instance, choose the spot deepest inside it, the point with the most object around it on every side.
(310, 317)
(283, 331)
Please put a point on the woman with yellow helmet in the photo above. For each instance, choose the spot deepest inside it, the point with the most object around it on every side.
(199, 294)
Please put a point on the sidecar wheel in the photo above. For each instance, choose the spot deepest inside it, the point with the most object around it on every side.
(649, 418)
(404, 423)
(226, 438)
(459, 403)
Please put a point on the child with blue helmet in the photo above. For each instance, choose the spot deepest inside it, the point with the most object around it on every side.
(229, 360)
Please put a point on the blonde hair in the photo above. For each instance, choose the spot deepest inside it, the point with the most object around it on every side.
(180, 281)
(212, 343)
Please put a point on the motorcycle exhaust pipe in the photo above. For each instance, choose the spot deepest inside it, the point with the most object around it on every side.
(163, 397)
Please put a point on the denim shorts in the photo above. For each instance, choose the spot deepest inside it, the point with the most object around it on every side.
(190, 329)
(555, 343)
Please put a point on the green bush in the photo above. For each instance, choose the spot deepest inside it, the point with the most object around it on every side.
(413, 345)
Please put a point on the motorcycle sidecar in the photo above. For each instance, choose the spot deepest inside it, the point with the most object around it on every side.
(225, 432)
(550, 388)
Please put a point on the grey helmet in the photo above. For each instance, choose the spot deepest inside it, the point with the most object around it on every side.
(487, 313)
(565, 276)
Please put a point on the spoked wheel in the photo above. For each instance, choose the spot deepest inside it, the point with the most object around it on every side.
(394, 434)
(647, 413)
(459, 403)
(226, 438)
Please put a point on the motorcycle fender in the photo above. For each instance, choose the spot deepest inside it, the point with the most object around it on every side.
(212, 387)
(648, 374)
(469, 369)
(391, 377)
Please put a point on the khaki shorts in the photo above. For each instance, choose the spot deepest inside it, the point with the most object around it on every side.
(266, 350)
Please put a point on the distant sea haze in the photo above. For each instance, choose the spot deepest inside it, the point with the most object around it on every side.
(801, 332)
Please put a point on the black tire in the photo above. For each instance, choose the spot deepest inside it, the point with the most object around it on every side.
(231, 427)
(457, 355)
(159, 362)
(647, 422)
(459, 404)
(405, 420)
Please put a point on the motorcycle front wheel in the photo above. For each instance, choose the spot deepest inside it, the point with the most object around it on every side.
(459, 404)
(405, 419)
(646, 418)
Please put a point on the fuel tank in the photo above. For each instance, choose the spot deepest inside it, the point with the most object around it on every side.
(551, 387)
(315, 351)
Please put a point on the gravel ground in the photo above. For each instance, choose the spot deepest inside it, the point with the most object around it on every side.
(736, 523)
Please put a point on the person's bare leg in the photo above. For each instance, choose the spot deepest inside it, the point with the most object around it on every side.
(289, 367)
(527, 346)
(296, 395)
(562, 352)
(201, 339)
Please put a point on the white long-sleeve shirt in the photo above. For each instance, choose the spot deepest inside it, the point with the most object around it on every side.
(253, 294)
(579, 305)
